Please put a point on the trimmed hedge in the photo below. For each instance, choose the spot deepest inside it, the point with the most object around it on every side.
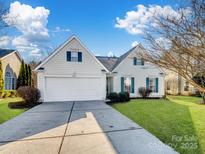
(113, 97)
(119, 97)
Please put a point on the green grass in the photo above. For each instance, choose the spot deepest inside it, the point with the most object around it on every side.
(177, 116)
(5, 112)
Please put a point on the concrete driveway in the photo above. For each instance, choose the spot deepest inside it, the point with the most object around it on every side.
(90, 127)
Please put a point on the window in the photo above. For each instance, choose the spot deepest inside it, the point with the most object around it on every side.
(74, 56)
(9, 81)
(186, 87)
(138, 61)
(127, 84)
(13, 83)
(152, 84)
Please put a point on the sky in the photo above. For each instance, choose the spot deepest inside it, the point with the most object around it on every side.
(106, 27)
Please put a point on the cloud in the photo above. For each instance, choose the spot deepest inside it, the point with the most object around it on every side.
(110, 54)
(163, 42)
(135, 43)
(58, 29)
(30, 21)
(32, 24)
(20, 41)
(35, 53)
(135, 22)
(4, 41)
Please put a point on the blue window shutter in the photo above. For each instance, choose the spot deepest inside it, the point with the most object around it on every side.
(132, 85)
(122, 84)
(157, 85)
(135, 61)
(147, 83)
(79, 56)
(68, 56)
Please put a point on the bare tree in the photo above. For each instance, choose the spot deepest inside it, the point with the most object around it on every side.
(177, 43)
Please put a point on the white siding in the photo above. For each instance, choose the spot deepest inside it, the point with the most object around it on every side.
(59, 68)
(127, 69)
(59, 65)
(41, 84)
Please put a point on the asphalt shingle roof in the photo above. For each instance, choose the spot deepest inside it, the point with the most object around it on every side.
(4, 52)
(108, 62)
(111, 62)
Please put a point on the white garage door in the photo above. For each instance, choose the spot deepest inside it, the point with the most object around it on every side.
(72, 89)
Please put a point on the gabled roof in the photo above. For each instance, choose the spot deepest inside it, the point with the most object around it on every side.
(61, 46)
(122, 57)
(4, 52)
(108, 62)
(112, 62)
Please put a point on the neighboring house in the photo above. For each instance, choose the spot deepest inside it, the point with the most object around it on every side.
(11, 63)
(177, 85)
(73, 73)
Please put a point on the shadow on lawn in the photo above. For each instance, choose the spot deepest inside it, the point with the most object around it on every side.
(168, 120)
(186, 140)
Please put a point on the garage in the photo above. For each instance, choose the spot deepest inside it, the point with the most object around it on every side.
(73, 89)
(71, 73)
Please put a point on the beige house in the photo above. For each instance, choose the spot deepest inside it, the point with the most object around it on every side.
(177, 85)
(11, 63)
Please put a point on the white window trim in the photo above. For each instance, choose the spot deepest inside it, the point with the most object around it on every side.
(154, 84)
(139, 61)
(74, 56)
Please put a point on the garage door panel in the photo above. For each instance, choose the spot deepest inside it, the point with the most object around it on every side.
(72, 89)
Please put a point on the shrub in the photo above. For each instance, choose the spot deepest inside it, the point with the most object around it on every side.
(128, 96)
(119, 97)
(124, 97)
(30, 94)
(9, 93)
(113, 97)
(3, 95)
(13, 93)
(144, 92)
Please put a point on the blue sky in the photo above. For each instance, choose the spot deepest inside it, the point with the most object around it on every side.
(93, 21)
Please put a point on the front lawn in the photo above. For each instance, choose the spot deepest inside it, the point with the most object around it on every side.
(7, 113)
(178, 121)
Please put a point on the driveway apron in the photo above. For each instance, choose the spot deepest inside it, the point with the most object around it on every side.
(90, 127)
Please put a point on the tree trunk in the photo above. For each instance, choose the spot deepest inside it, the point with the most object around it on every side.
(203, 97)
